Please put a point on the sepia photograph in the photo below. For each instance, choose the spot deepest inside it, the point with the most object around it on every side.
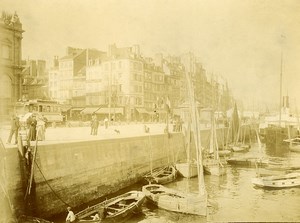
(149, 111)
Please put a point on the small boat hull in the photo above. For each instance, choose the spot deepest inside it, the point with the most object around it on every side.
(247, 162)
(162, 176)
(224, 153)
(30, 219)
(187, 170)
(281, 181)
(214, 167)
(295, 148)
(177, 201)
(239, 149)
(117, 209)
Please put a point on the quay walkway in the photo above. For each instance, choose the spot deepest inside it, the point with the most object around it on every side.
(54, 135)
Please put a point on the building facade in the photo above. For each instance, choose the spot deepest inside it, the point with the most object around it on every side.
(34, 80)
(10, 62)
(122, 84)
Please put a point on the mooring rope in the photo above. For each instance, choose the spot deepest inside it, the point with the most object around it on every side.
(50, 186)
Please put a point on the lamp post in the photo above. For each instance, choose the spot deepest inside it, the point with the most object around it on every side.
(109, 92)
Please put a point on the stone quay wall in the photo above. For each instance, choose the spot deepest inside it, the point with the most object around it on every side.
(76, 173)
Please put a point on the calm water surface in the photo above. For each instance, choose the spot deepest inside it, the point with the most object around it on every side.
(233, 198)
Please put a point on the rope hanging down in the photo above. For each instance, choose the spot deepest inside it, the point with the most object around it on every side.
(51, 187)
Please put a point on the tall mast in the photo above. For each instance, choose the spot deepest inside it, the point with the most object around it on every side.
(280, 95)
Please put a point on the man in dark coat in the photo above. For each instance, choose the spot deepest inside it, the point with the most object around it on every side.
(32, 128)
(14, 129)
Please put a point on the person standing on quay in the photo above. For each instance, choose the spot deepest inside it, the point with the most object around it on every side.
(106, 122)
(94, 125)
(32, 129)
(40, 129)
(14, 129)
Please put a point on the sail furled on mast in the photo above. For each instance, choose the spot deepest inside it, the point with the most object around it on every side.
(235, 123)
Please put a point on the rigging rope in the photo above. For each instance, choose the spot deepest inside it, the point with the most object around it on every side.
(50, 186)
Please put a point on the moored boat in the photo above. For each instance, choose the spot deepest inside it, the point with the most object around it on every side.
(31, 219)
(280, 181)
(248, 161)
(162, 175)
(117, 209)
(212, 164)
(187, 169)
(295, 148)
(239, 148)
(214, 167)
(224, 153)
(174, 200)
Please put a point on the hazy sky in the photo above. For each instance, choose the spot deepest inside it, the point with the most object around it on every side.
(237, 39)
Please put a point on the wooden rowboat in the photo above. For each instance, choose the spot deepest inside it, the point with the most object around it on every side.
(175, 200)
(117, 209)
(31, 219)
(162, 175)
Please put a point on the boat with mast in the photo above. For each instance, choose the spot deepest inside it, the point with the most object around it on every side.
(276, 131)
(251, 161)
(212, 163)
(175, 200)
(188, 168)
(237, 146)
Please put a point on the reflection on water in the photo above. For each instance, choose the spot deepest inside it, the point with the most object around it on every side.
(277, 151)
(233, 198)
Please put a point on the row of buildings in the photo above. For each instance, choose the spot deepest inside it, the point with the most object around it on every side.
(120, 81)
(131, 84)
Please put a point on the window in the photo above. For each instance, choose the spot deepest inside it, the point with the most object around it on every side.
(6, 52)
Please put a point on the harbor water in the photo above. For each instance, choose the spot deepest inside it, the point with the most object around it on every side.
(232, 197)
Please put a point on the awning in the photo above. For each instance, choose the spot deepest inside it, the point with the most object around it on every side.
(142, 110)
(77, 109)
(88, 111)
(65, 108)
(111, 111)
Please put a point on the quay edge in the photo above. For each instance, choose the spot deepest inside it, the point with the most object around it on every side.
(76, 173)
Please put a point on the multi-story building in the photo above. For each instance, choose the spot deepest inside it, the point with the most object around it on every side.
(54, 80)
(154, 89)
(115, 81)
(174, 73)
(34, 80)
(124, 85)
(10, 62)
(67, 76)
